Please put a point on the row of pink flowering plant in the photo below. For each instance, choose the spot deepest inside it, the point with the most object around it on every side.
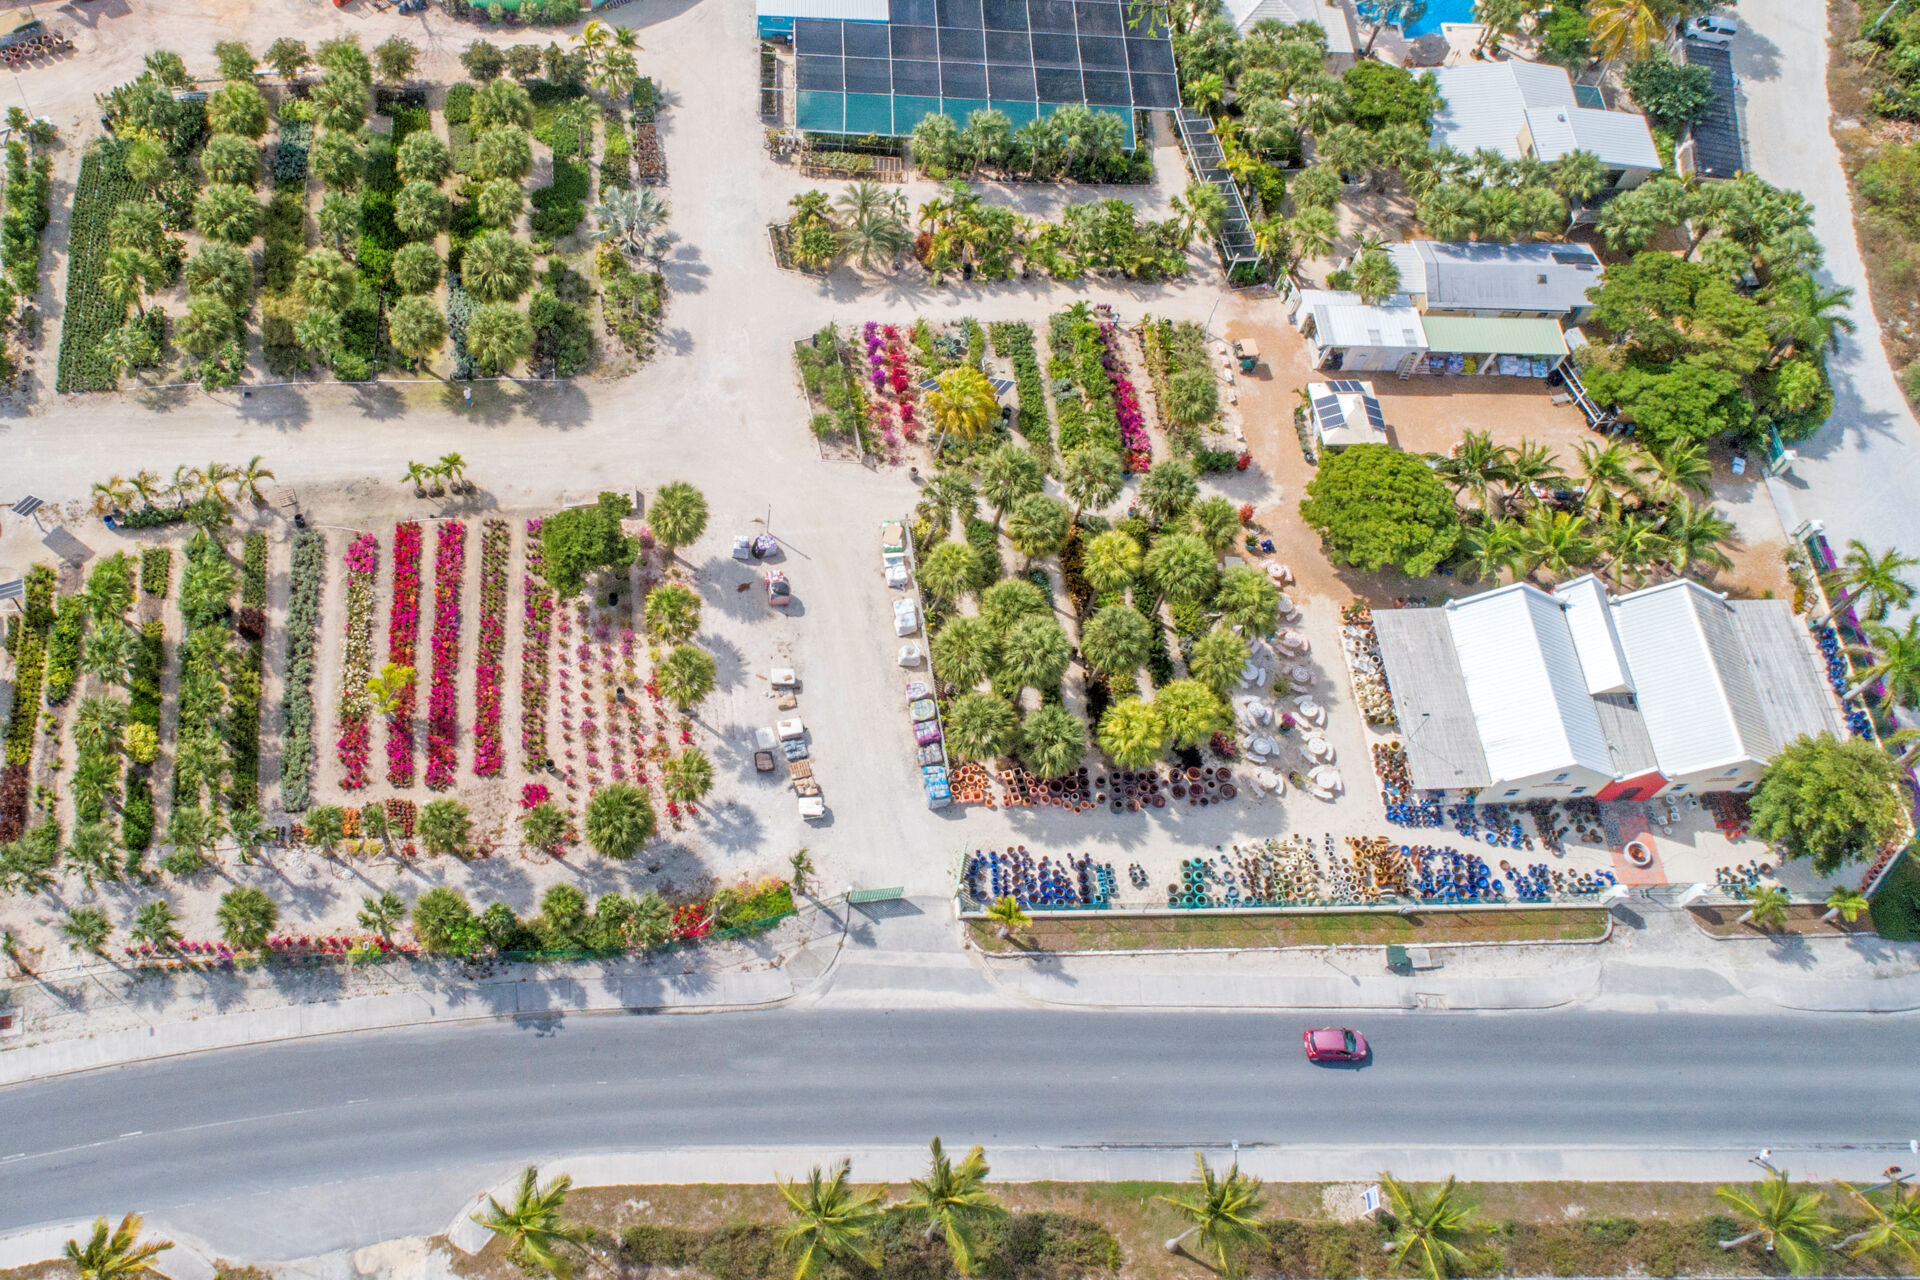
(356, 706)
(489, 756)
(443, 698)
(403, 639)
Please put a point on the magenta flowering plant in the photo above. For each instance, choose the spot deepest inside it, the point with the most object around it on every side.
(489, 756)
(403, 635)
(534, 794)
(443, 698)
(354, 740)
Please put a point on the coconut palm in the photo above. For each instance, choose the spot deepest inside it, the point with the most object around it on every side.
(1845, 904)
(116, 1254)
(1091, 476)
(673, 613)
(1608, 474)
(1695, 535)
(1038, 526)
(1111, 561)
(246, 915)
(1034, 654)
(949, 571)
(966, 652)
(1786, 1220)
(1875, 583)
(1766, 905)
(1893, 1220)
(679, 516)
(1532, 466)
(156, 925)
(1477, 466)
(619, 820)
(247, 481)
(685, 675)
(951, 1199)
(1627, 29)
(1892, 661)
(1632, 544)
(1116, 641)
(874, 236)
(1218, 658)
(687, 776)
(1223, 1209)
(1183, 568)
(832, 1221)
(1557, 542)
(1052, 740)
(1008, 473)
(110, 495)
(1429, 1228)
(534, 1232)
(1491, 548)
(963, 405)
(1006, 913)
(1680, 467)
(1805, 317)
(980, 726)
(1133, 733)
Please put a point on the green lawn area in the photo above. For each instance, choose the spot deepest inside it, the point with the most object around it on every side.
(1181, 933)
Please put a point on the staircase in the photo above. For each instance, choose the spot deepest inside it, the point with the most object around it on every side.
(1409, 363)
(1597, 418)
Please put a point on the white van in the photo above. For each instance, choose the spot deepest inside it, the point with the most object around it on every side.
(1713, 28)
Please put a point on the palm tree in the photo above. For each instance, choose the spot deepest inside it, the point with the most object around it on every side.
(1224, 1210)
(1891, 1220)
(1608, 473)
(1876, 581)
(111, 495)
(1005, 911)
(949, 493)
(156, 925)
(115, 1255)
(247, 481)
(1039, 526)
(87, 929)
(1183, 568)
(1785, 1219)
(246, 915)
(1091, 476)
(214, 479)
(980, 726)
(963, 405)
(1008, 473)
(673, 613)
(1218, 659)
(619, 821)
(1894, 663)
(1429, 1229)
(679, 516)
(1632, 544)
(687, 776)
(966, 652)
(1111, 561)
(1477, 466)
(496, 267)
(532, 1227)
(94, 852)
(1532, 465)
(874, 235)
(831, 1221)
(632, 219)
(685, 676)
(1845, 904)
(1168, 490)
(949, 571)
(418, 473)
(1681, 467)
(1133, 733)
(951, 1198)
(1766, 905)
(1806, 317)
(1694, 534)
(1491, 548)
(1052, 741)
(454, 468)
(1556, 541)
(1624, 28)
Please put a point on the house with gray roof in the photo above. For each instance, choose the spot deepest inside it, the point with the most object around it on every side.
(1529, 109)
(1444, 278)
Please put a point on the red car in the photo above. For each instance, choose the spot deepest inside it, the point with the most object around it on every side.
(1335, 1044)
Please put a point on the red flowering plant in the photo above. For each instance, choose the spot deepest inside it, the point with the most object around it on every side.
(489, 757)
(443, 699)
(403, 634)
(356, 708)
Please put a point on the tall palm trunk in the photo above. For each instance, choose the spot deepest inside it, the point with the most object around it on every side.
(1173, 1245)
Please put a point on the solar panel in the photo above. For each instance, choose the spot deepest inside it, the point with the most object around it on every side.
(1374, 416)
(1327, 409)
(1345, 387)
(13, 589)
(27, 506)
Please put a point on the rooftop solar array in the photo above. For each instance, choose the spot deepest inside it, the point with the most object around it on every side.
(1328, 410)
(1347, 386)
(1026, 58)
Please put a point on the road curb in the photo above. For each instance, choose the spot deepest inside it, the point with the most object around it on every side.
(1298, 947)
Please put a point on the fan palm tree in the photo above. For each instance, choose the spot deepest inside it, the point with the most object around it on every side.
(1695, 535)
(631, 219)
(93, 852)
(1429, 1229)
(246, 915)
(496, 267)
(1111, 561)
(949, 493)
(1133, 733)
(116, 1254)
(1052, 741)
(156, 925)
(672, 613)
(1876, 582)
(1007, 474)
(1035, 654)
(127, 276)
(1786, 1220)
(1218, 659)
(832, 1221)
(1893, 1220)
(1223, 1209)
(1183, 568)
(687, 776)
(98, 722)
(685, 676)
(1116, 641)
(951, 1199)
(966, 652)
(679, 516)
(619, 821)
(1893, 663)
(1038, 526)
(1091, 476)
(1477, 466)
(534, 1232)
(1216, 522)
(1006, 913)
(980, 726)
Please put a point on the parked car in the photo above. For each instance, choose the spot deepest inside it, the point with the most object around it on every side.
(1336, 1044)
(1714, 28)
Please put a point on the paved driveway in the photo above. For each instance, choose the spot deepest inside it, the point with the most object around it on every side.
(1856, 473)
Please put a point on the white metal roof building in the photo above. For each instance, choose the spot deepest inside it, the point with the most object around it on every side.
(1346, 413)
(1335, 19)
(1469, 278)
(1528, 694)
(1342, 332)
(1522, 109)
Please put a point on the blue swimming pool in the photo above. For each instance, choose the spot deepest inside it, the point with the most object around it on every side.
(1438, 11)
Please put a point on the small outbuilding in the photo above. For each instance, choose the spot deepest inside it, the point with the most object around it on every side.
(1346, 413)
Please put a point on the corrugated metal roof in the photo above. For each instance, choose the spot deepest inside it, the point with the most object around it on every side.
(1619, 138)
(1695, 686)
(850, 10)
(1487, 103)
(1465, 276)
(1430, 697)
(1789, 674)
(1332, 17)
(1626, 732)
(1517, 657)
(1495, 335)
(1342, 320)
(1601, 661)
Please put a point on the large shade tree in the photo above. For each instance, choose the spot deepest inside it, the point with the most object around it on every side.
(1829, 801)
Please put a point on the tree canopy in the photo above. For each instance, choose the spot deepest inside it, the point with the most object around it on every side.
(1376, 506)
(581, 540)
(1832, 802)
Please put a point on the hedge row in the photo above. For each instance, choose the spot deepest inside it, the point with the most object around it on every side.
(243, 732)
(1014, 340)
(91, 311)
(28, 182)
(303, 622)
(143, 686)
(156, 572)
(63, 649)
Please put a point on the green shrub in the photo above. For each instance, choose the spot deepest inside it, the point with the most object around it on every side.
(156, 572)
(91, 313)
(63, 648)
(303, 622)
(136, 814)
(459, 105)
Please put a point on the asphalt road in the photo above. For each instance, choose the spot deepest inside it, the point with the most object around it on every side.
(266, 1127)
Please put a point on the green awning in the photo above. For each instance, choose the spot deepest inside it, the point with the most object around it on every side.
(1495, 335)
